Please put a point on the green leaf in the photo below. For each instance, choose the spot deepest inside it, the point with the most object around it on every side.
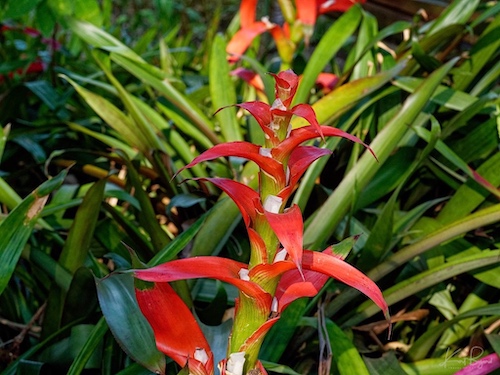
(480, 54)
(16, 228)
(424, 280)
(93, 342)
(345, 354)
(158, 81)
(473, 221)
(388, 364)
(61, 8)
(222, 91)
(337, 205)
(170, 251)
(112, 142)
(446, 152)
(99, 38)
(81, 232)
(458, 12)
(113, 116)
(19, 8)
(278, 338)
(129, 327)
(147, 215)
(330, 43)
(426, 341)
(467, 197)
(445, 96)
(88, 10)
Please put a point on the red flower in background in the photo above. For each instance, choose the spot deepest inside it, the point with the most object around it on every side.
(307, 12)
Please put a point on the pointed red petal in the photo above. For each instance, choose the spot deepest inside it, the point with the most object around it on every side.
(295, 291)
(301, 158)
(309, 283)
(307, 112)
(217, 268)
(289, 227)
(243, 38)
(170, 319)
(262, 113)
(286, 86)
(244, 150)
(327, 81)
(300, 135)
(249, 76)
(247, 13)
(245, 197)
(307, 11)
(344, 272)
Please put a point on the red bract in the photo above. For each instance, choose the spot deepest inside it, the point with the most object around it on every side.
(280, 270)
(222, 269)
(307, 13)
(252, 78)
(288, 227)
(170, 328)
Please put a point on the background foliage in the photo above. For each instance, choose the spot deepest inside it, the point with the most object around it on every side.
(102, 102)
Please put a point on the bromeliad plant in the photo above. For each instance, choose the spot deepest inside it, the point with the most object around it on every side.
(279, 271)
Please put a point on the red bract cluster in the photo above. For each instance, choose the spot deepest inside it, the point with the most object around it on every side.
(280, 269)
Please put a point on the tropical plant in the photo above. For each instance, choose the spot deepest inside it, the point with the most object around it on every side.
(425, 214)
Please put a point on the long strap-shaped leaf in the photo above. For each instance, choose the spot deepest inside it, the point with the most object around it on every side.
(15, 230)
(473, 221)
(337, 205)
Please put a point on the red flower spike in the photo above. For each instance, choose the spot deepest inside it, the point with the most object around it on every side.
(217, 268)
(245, 150)
(286, 86)
(170, 319)
(243, 38)
(289, 289)
(247, 199)
(289, 227)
